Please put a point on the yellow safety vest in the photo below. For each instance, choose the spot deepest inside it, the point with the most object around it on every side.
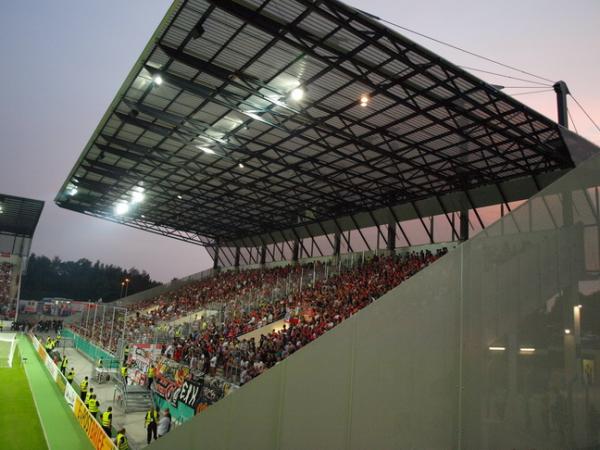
(84, 385)
(106, 419)
(149, 417)
(88, 397)
(70, 376)
(151, 372)
(93, 405)
(124, 371)
(64, 362)
(122, 442)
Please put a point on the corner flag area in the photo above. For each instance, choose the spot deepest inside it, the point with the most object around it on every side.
(35, 416)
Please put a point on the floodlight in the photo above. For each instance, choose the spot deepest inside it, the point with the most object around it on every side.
(157, 79)
(208, 150)
(137, 197)
(527, 350)
(121, 208)
(297, 94)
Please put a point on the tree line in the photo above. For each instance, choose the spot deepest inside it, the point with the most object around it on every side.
(80, 280)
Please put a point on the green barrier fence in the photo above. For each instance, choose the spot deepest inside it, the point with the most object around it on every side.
(92, 351)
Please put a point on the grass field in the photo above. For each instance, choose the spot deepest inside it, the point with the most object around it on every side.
(20, 426)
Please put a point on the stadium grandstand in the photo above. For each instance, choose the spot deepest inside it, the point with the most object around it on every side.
(404, 256)
(18, 219)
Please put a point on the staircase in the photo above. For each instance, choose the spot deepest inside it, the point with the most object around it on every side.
(132, 399)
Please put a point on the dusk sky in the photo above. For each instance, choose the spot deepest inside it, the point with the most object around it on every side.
(63, 62)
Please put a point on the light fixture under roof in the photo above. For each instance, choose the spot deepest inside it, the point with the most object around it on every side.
(157, 79)
(207, 150)
(121, 208)
(71, 190)
(240, 165)
(137, 197)
(137, 194)
(364, 100)
(527, 350)
(297, 94)
(179, 197)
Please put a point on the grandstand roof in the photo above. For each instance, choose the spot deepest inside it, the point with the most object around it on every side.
(209, 124)
(18, 215)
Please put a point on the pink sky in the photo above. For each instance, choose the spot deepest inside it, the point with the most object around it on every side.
(64, 61)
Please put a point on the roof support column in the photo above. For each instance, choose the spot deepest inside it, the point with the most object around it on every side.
(295, 250)
(337, 244)
(562, 90)
(216, 258)
(237, 257)
(464, 223)
(263, 255)
(391, 237)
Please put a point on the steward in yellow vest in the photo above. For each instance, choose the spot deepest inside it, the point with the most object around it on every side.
(150, 376)
(151, 424)
(63, 364)
(124, 374)
(122, 440)
(107, 421)
(88, 397)
(83, 388)
(94, 405)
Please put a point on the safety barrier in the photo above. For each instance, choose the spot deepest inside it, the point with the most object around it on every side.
(93, 430)
(90, 350)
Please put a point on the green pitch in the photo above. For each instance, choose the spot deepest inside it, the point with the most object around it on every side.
(20, 415)
(19, 423)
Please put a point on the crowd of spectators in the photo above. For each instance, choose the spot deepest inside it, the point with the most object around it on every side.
(232, 292)
(49, 326)
(216, 345)
(21, 325)
(309, 313)
(6, 307)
